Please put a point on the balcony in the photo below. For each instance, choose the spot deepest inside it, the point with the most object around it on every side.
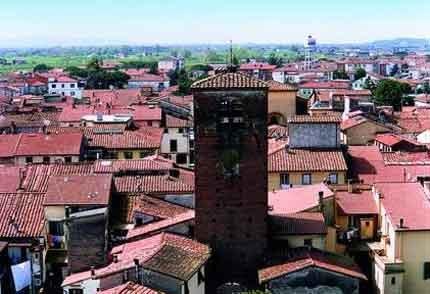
(388, 264)
(56, 242)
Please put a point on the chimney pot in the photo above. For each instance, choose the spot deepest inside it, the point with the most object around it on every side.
(402, 222)
(93, 272)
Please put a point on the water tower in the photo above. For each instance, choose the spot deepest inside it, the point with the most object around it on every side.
(310, 48)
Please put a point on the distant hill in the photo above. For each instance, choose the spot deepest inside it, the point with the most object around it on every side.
(401, 42)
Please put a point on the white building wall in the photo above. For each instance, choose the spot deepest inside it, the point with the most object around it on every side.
(88, 286)
(65, 89)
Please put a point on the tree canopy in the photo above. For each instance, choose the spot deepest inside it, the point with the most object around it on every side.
(359, 73)
(41, 68)
(390, 92)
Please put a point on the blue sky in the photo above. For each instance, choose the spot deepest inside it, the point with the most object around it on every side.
(89, 22)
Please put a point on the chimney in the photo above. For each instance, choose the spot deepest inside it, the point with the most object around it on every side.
(404, 175)
(115, 258)
(321, 200)
(136, 263)
(350, 188)
(21, 179)
(93, 273)
(401, 223)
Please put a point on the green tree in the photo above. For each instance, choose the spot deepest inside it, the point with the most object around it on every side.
(426, 88)
(369, 84)
(359, 73)
(94, 64)
(391, 93)
(41, 68)
(235, 60)
(78, 72)
(184, 83)
(340, 75)
(275, 60)
(394, 70)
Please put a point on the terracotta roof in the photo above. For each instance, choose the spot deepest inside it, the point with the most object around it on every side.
(159, 226)
(310, 119)
(131, 165)
(406, 158)
(367, 165)
(301, 223)
(361, 202)
(174, 122)
(41, 144)
(79, 190)
(277, 86)
(22, 215)
(406, 201)
(37, 176)
(8, 145)
(154, 207)
(147, 77)
(277, 131)
(301, 160)
(165, 253)
(153, 184)
(229, 80)
(352, 122)
(129, 288)
(257, 65)
(298, 199)
(150, 138)
(302, 258)
(64, 79)
(388, 139)
(325, 85)
(121, 97)
(10, 176)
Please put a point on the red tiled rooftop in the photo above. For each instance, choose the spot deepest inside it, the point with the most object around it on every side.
(302, 258)
(129, 288)
(153, 184)
(41, 144)
(229, 81)
(11, 177)
(8, 145)
(300, 160)
(159, 226)
(310, 119)
(156, 207)
(300, 223)
(257, 65)
(174, 122)
(79, 190)
(356, 203)
(164, 253)
(22, 215)
(406, 201)
(325, 85)
(295, 200)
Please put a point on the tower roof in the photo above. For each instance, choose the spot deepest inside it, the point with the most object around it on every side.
(229, 80)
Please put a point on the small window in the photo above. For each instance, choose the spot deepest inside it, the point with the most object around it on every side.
(53, 86)
(192, 157)
(191, 144)
(63, 94)
(181, 158)
(166, 130)
(68, 159)
(149, 123)
(285, 180)
(56, 228)
(306, 179)
(180, 130)
(143, 154)
(393, 280)
(46, 159)
(173, 146)
(72, 93)
(308, 242)
(62, 85)
(139, 221)
(128, 155)
(72, 86)
(333, 178)
(76, 291)
(426, 270)
(29, 159)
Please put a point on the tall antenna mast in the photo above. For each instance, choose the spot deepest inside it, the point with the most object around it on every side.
(231, 53)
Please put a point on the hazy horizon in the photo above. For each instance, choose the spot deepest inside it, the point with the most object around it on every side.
(187, 22)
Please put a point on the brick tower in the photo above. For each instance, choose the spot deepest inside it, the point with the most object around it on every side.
(230, 112)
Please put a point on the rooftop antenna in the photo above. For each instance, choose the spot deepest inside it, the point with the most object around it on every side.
(231, 67)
